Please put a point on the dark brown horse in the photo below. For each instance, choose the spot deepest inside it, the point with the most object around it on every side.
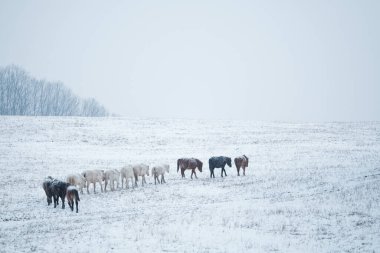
(241, 162)
(72, 196)
(189, 164)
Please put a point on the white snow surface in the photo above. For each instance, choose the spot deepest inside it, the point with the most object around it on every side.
(310, 187)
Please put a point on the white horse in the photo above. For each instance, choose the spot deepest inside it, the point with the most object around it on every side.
(76, 180)
(93, 176)
(140, 170)
(160, 170)
(127, 172)
(111, 176)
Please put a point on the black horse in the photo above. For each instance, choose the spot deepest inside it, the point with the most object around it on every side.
(46, 186)
(218, 162)
(58, 190)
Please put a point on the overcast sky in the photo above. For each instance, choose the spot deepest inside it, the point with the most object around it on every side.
(260, 60)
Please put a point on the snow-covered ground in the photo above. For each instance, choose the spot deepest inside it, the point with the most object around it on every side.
(309, 187)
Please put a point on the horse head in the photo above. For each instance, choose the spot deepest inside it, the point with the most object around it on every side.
(228, 160)
(200, 164)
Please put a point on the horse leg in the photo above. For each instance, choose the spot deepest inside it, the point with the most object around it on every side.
(243, 171)
(105, 185)
(88, 192)
(210, 173)
(136, 178)
(76, 203)
(55, 201)
(238, 170)
(101, 186)
(221, 172)
(195, 174)
(224, 171)
(63, 201)
(133, 185)
(163, 179)
(191, 176)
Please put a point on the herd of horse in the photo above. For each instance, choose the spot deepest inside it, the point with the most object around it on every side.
(55, 189)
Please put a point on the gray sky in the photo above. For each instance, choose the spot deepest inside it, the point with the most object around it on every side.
(261, 60)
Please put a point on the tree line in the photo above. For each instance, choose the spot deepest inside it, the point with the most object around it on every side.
(21, 94)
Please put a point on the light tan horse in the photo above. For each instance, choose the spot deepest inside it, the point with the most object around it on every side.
(127, 173)
(93, 176)
(140, 170)
(160, 170)
(77, 180)
(110, 176)
(241, 162)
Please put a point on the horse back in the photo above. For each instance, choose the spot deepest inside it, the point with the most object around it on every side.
(72, 193)
(217, 161)
(58, 187)
(238, 161)
(183, 163)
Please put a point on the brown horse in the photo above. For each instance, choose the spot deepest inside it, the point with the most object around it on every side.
(72, 197)
(241, 162)
(189, 164)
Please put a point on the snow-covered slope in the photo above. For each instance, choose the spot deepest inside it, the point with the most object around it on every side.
(309, 187)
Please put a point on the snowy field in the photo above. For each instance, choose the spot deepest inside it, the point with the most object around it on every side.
(309, 187)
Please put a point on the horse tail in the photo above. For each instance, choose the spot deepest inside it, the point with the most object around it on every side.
(246, 159)
(178, 165)
(77, 195)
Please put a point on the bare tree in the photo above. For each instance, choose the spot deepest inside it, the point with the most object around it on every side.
(20, 94)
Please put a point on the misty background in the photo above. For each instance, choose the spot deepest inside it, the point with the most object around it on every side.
(260, 60)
